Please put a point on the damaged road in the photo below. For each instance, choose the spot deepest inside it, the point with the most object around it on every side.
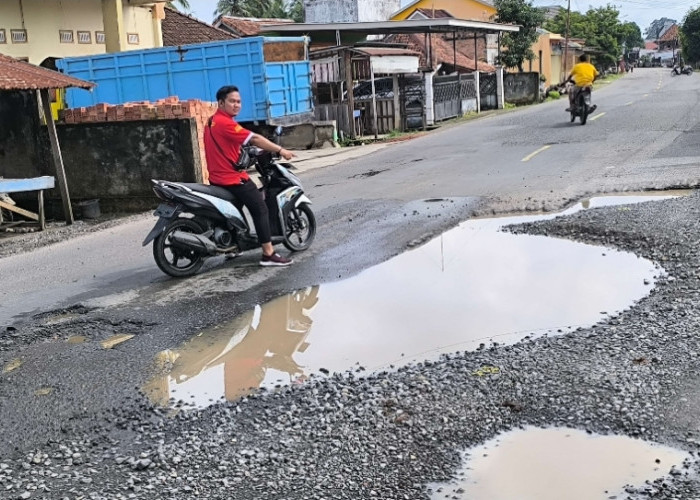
(76, 425)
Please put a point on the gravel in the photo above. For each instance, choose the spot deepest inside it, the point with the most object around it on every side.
(387, 435)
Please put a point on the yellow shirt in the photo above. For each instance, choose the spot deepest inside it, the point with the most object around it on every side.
(583, 74)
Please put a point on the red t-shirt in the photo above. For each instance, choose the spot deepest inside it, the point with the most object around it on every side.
(229, 136)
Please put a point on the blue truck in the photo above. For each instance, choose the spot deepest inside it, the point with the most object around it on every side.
(272, 73)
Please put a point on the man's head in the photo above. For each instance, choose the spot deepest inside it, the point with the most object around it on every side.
(229, 100)
(583, 58)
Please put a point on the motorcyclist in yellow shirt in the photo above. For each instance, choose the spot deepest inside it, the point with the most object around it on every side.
(583, 74)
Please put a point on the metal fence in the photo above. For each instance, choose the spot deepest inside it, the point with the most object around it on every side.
(449, 92)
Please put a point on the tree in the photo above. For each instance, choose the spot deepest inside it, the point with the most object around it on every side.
(690, 36)
(518, 46)
(293, 9)
(631, 35)
(185, 4)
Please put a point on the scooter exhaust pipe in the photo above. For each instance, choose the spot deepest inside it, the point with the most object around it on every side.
(195, 242)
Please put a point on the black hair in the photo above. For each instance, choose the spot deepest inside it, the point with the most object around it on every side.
(224, 91)
(582, 58)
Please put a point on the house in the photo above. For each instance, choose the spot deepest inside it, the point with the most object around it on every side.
(473, 10)
(182, 29)
(40, 31)
(444, 55)
(670, 39)
(549, 56)
(486, 47)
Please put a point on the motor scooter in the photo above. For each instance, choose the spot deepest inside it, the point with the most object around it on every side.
(197, 221)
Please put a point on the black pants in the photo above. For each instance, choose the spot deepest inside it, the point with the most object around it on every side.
(248, 194)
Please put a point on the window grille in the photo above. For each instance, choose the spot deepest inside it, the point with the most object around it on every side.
(66, 36)
(99, 37)
(3, 36)
(18, 36)
(132, 38)
(84, 37)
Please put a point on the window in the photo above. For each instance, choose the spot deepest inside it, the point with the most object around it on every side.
(18, 36)
(99, 37)
(3, 36)
(132, 38)
(66, 36)
(84, 37)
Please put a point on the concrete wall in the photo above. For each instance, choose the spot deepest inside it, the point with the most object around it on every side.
(521, 88)
(112, 161)
(43, 19)
(349, 11)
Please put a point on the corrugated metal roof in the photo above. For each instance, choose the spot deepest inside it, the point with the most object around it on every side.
(248, 26)
(20, 75)
(385, 51)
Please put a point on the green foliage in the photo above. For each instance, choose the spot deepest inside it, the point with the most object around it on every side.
(690, 36)
(292, 9)
(602, 30)
(518, 46)
(554, 94)
(185, 4)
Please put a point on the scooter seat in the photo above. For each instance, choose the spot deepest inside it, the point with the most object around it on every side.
(217, 191)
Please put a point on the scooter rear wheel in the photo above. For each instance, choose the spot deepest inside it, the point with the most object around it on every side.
(300, 228)
(173, 260)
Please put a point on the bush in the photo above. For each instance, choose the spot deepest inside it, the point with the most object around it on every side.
(554, 94)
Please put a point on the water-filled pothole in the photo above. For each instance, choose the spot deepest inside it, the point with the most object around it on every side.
(552, 464)
(471, 286)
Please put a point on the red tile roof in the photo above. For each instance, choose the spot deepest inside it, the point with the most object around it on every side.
(20, 75)
(651, 45)
(247, 26)
(443, 52)
(181, 29)
(670, 35)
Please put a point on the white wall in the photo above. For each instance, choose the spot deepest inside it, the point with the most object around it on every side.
(349, 11)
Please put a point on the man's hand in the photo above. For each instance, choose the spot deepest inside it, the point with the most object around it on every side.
(286, 154)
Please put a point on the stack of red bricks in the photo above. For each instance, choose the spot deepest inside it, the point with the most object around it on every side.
(163, 109)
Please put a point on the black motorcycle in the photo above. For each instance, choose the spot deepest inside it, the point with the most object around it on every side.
(197, 221)
(582, 105)
(686, 70)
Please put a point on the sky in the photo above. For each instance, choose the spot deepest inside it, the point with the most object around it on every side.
(642, 12)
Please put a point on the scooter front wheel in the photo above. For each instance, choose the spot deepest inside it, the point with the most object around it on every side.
(175, 260)
(300, 228)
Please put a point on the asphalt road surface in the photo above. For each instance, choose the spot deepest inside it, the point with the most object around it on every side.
(644, 135)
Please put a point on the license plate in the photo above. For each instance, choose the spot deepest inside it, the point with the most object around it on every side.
(165, 210)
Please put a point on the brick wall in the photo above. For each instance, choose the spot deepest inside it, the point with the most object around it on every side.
(163, 109)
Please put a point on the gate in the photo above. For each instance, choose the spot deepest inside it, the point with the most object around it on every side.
(412, 101)
(446, 97)
(488, 91)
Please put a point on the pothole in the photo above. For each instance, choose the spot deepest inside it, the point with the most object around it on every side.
(557, 463)
(469, 288)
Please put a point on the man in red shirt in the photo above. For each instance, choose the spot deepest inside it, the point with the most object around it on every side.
(223, 140)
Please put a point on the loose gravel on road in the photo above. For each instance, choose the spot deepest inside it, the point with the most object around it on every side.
(387, 435)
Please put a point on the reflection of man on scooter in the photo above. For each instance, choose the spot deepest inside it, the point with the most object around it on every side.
(247, 352)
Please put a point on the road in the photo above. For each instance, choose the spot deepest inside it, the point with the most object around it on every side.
(644, 135)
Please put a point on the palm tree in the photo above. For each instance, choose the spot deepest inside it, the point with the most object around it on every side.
(230, 8)
(185, 4)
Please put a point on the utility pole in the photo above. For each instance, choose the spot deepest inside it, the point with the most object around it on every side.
(566, 39)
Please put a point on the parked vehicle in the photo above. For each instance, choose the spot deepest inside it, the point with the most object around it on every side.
(197, 221)
(582, 105)
(686, 70)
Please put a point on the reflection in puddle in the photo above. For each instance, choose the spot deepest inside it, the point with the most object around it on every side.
(551, 464)
(257, 348)
(472, 285)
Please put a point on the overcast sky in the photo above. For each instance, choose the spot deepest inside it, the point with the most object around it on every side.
(642, 12)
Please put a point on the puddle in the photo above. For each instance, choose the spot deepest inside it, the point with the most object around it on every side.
(551, 464)
(115, 340)
(469, 287)
(76, 339)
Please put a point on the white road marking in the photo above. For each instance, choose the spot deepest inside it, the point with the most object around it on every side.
(532, 155)
(597, 116)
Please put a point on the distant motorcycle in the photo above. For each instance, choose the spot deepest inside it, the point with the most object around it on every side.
(582, 105)
(197, 221)
(686, 70)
